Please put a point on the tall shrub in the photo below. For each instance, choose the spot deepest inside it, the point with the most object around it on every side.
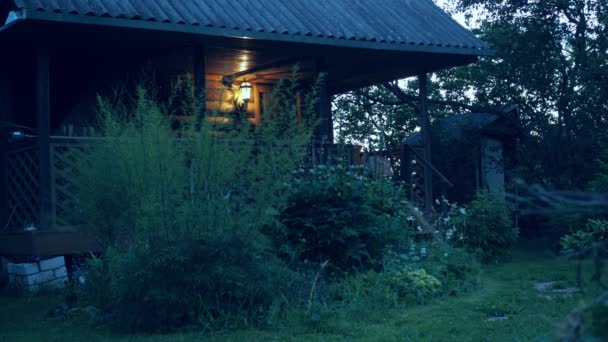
(337, 214)
(485, 226)
(181, 211)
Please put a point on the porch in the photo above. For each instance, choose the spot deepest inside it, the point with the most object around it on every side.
(26, 202)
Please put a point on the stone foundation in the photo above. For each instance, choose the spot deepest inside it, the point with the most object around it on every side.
(49, 272)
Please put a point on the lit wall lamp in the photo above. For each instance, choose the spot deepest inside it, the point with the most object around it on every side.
(246, 91)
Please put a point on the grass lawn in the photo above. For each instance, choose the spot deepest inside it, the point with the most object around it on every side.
(506, 307)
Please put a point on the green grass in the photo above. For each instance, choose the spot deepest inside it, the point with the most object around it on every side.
(506, 290)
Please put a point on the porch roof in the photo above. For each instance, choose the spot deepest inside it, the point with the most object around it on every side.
(398, 25)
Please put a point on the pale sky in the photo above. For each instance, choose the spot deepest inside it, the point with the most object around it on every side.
(458, 16)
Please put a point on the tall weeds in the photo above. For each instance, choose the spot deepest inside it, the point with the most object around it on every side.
(180, 211)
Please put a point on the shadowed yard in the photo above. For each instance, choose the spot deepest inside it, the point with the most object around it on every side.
(506, 307)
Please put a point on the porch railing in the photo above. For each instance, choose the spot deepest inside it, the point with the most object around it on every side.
(23, 175)
(23, 188)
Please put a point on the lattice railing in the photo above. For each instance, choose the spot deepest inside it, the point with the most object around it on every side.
(23, 191)
(64, 159)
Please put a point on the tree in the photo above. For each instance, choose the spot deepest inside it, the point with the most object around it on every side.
(551, 62)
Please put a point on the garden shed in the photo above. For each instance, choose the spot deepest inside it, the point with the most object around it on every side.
(58, 55)
(472, 152)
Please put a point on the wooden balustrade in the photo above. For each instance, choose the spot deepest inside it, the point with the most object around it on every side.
(24, 188)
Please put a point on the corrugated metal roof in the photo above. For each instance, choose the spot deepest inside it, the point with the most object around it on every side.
(401, 24)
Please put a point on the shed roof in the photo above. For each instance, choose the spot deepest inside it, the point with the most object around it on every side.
(454, 126)
(406, 25)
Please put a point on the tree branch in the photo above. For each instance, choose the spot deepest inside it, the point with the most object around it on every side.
(405, 98)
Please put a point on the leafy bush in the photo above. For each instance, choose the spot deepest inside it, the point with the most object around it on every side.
(402, 286)
(595, 231)
(220, 282)
(600, 182)
(180, 211)
(457, 270)
(335, 213)
(484, 227)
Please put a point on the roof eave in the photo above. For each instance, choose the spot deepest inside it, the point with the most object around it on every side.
(20, 19)
(234, 33)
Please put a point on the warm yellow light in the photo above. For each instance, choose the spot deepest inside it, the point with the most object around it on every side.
(246, 91)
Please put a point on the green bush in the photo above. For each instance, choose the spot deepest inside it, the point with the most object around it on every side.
(600, 182)
(217, 283)
(405, 285)
(335, 213)
(180, 211)
(485, 227)
(594, 231)
(457, 270)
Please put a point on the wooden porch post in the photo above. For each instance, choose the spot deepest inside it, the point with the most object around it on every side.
(5, 116)
(200, 83)
(326, 120)
(43, 118)
(425, 131)
(325, 131)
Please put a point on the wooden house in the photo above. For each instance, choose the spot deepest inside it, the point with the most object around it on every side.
(57, 55)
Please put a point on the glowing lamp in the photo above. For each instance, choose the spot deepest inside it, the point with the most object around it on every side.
(246, 91)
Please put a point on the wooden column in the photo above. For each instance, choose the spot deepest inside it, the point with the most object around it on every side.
(200, 83)
(5, 116)
(326, 123)
(425, 132)
(43, 118)
(325, 130)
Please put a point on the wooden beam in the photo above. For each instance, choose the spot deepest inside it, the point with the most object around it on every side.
(43, 118)
(425, 132)
(229, 79)
(200, 85)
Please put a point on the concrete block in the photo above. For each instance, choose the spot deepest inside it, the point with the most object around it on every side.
(38, 278)
(61, 272)
(51, 264)
(57, 283)
(22, 269)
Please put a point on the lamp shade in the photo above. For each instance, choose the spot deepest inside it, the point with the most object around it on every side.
(246, 91)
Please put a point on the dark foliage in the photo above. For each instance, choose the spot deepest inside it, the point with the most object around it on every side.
(337, 214)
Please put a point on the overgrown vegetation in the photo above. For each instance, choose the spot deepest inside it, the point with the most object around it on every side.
(338, 214)
(180, 213)
(484, 227)
(504, 306)
(219, 227)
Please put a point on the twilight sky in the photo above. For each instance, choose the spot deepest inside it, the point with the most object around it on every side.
(459, 16)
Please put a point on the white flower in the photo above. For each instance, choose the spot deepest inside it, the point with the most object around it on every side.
(437, 201)
(446, 220)
(419, 228)
(463, 211)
